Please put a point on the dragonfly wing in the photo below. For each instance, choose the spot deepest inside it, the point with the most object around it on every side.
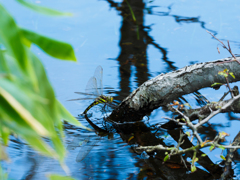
(98, 74)
(91, 87)
(86, 148)
(82, 93)
(80, 99)
(86, 98)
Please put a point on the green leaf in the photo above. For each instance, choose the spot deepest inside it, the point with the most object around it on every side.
(69, 118)
(132, 13)
(28, 106)
(3, 65)
(223, 157)
(11, 67)
(223, 73)
(53, 108)
(223, 134)
(203, 155)
(43, 10)
(46, 104)
(221, 147)
(211, 148)
(231, 73)
(12, 120)
(10, 37)
(4, 133)
(188, 134)
(182, 119)
(20, 109)
(216, 84)
(193, 168)
(58, 177)
(196, 159)
(52, 47)
(166, 158)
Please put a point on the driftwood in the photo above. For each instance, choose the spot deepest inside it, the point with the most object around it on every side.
(165, 88)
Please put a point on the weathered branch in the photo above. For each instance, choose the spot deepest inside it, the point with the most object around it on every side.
(165, 88)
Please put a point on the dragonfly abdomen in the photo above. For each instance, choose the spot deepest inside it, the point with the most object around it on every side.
(90, 106)
(100, 99)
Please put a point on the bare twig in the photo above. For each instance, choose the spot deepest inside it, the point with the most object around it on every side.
(224, 46)
(189, 124)
(217, 111)
(228, 85)
(174, 150)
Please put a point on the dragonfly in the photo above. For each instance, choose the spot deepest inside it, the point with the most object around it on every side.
(95, 88)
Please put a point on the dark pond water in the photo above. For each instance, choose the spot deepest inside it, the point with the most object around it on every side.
(168, 35)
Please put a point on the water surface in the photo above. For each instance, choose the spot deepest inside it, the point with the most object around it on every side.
(168, 35)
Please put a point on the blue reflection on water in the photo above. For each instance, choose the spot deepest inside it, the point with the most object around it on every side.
(177, 27)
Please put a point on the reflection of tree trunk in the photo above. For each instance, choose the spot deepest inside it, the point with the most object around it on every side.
(140, 134)
(165, 88)
(135, 39)
(133, 47)
(133, 43)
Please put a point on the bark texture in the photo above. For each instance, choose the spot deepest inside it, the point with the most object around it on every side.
(165, 88)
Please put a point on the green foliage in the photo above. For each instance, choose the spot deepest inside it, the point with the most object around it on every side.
(166, 158)
(225, 73)
(195, 160)
(134, 19)
(188, 133)
(211, 148)
(52, 47)
(216, 84)
(221, 147)
(231, 74)
(222, 135)
(223, 157)
(193, 168)
(132, 13)
(28, 106)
